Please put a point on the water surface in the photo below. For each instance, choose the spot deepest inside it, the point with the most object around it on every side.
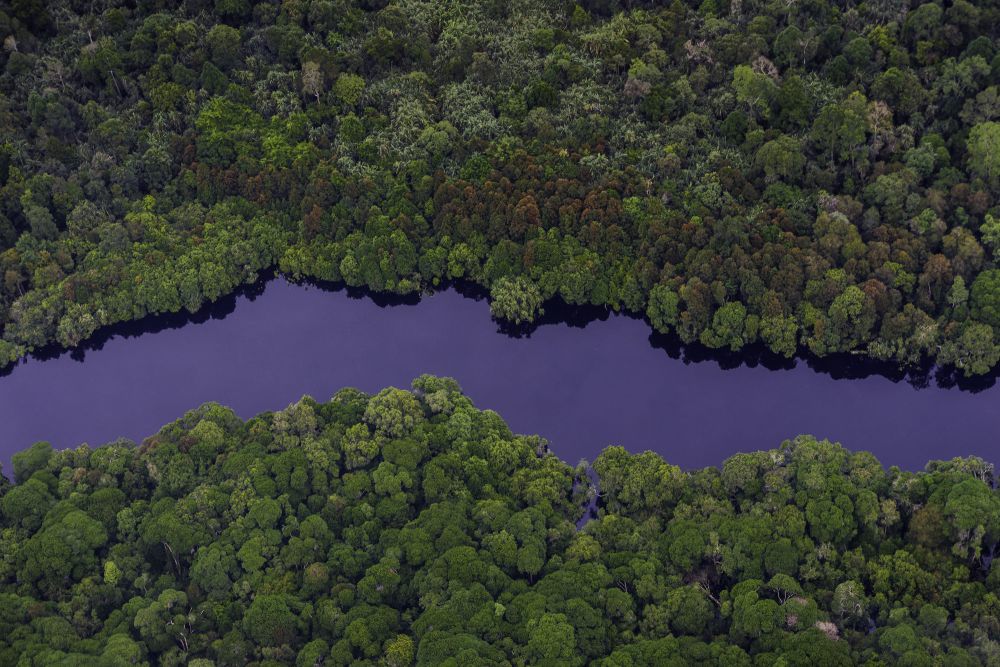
(582, 388)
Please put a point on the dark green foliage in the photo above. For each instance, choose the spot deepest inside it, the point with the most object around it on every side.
(411, 528)
(821, 178)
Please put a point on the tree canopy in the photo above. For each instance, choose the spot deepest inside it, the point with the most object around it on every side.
(409, 527)
(815, 177)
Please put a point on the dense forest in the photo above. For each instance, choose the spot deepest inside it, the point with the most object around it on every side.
(818, 176)
(410, 527)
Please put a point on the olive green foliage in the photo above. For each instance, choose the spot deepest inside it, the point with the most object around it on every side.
(813, 178)
(408, 527)
(515, 300)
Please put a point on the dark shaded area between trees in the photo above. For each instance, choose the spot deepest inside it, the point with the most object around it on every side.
(409, 527)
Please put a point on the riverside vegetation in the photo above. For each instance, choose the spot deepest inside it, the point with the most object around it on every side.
(410, 527)
(817, 176)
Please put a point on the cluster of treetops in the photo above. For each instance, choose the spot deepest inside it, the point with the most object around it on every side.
(818, 176)
(409, 527)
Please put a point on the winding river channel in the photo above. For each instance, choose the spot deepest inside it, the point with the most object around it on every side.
(583, 388)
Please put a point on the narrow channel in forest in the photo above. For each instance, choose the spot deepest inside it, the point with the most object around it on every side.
(582, 385)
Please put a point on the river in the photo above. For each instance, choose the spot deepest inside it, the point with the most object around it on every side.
(582, 388)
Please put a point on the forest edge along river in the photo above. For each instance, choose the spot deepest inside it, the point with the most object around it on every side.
(580, 387)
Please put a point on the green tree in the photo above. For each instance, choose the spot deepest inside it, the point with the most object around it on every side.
(515, 300)
(31, 460)
(393, 413)
(984, 152)
(224, 45)
(780, 334)
(729, 327)
(689, 610)
(781, 159)
(552, 641)
(348, 89)
(269, 622)
(663, 308)
(985, 297)
(753, 89)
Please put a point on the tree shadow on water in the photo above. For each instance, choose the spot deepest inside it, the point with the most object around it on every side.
(951, 377)
(380, 299)
(752, 356)
(215, 310)
(924, 375)
(556, 313)
(841, 366)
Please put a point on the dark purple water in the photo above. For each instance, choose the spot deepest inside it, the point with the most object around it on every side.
(582, 388)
